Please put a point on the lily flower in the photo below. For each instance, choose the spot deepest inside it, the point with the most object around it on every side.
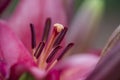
(23, 15)
(20, 60)
(45, 60)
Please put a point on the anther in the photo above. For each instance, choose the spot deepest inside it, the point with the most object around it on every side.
(46, 30)
(67, 48)
(33, 38)
(60, 37)
(52, 54)
(39, 50)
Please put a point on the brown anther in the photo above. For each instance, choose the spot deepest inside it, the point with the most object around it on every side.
(67, 48)
(46, 30)
(33, 38)
(52, 54)
(39, 50)
(60, 37)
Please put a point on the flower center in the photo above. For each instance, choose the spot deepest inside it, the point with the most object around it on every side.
(48, 53)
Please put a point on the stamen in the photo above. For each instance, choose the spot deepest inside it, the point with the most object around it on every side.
(67, 48)
(51, 65)
(39, 49)
(33, 38)
(46, 30)
(56, 30)
(56, 59)
(46, 52)
(52, 54)
(109, 66)
(60, 37)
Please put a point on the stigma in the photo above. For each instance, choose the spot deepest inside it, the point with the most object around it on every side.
(59, 27)
(49, 51)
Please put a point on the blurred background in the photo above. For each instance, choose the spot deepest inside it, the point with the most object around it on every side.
(110, 19)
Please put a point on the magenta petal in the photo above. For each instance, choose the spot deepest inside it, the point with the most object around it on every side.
(35, 12)
(2, 69)
(11, 48)
(18, 69)
(53, 75)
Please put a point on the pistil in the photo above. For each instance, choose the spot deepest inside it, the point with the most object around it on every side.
(46, 52)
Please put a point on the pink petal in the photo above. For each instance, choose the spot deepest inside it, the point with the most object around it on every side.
(11, 48)
(76, 67)
(69, 8)
(35, 12)
(96, 52)
(37, 73)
